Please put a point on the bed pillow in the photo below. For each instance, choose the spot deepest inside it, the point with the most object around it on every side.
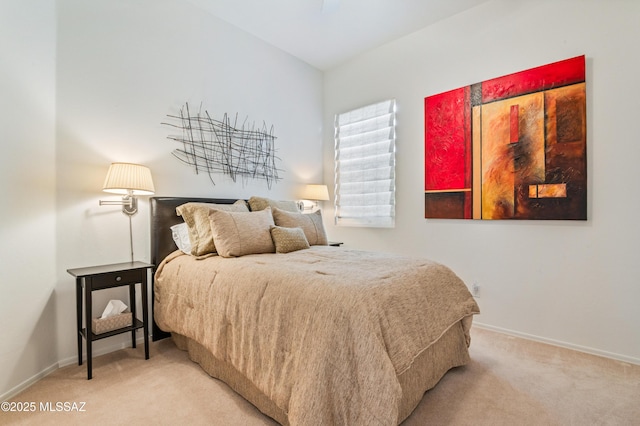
(241, 233)
(310, 223)
(180, 235)
(287, 240)
(196, 216)
(260, 203)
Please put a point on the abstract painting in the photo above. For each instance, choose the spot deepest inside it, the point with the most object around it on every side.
(513, 147)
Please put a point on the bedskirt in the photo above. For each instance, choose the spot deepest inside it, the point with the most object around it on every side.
(450, 351)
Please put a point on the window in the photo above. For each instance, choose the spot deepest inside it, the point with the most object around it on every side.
(365, 166)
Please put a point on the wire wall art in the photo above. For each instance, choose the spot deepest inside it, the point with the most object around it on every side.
(223, 147)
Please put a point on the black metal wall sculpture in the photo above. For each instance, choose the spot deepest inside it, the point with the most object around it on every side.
(219, 146)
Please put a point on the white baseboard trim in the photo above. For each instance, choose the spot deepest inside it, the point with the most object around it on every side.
(103, 351)
(30, 381)
(63, 363)
(585, 349)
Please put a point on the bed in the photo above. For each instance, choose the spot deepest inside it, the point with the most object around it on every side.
(319, 335)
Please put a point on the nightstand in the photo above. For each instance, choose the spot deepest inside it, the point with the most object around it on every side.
(109, 276)
(335, 243)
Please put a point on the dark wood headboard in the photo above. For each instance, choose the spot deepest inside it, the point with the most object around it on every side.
(163, 217)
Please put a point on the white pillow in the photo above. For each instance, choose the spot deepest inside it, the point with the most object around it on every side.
(180, 234)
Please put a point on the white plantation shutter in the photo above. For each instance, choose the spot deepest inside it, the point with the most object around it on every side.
(365, 166)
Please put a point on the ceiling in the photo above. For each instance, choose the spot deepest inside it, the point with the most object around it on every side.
(325, 33)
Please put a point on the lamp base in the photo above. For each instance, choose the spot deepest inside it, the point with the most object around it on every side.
(130, 205)
(308, 206)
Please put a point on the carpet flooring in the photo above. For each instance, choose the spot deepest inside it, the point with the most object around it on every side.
(509, 381)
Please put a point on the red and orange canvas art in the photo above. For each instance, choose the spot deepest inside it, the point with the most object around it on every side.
(513, 147)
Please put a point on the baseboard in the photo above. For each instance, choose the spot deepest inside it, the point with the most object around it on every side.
(63, 363)
(585, 349)
(105, 350)
(30, 381)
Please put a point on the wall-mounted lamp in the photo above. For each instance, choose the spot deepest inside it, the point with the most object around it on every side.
(128, 180)
(312, 193)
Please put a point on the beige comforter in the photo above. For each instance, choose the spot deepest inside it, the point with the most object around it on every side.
(323, 332)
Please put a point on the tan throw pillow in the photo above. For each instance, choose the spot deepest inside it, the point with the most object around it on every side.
(196, 216)
(310, 223)
(241, 233)
(288, 239)
(260, 203)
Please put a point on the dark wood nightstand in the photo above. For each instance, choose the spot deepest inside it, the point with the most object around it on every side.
(109, 276)
(335, 243)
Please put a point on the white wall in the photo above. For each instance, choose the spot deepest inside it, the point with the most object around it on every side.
(89, 85)
(27, 190)
(122, 67)
(573, 283)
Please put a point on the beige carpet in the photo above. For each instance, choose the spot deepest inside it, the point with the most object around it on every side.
(509, 381)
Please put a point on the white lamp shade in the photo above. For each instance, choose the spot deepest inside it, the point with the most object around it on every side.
(125, 178)
(315, 193)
